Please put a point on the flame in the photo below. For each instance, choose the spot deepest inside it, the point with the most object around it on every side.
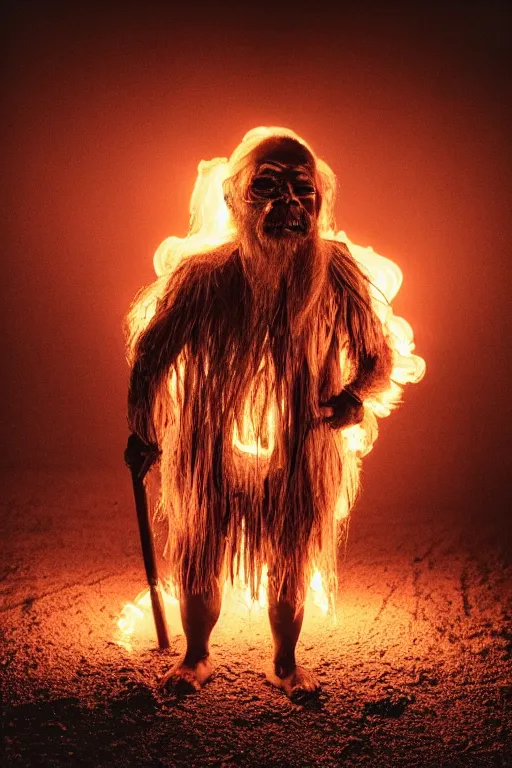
(136, 620)
(261, 442)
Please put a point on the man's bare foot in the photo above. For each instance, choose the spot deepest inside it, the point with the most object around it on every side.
(186, 677)
(298, 685)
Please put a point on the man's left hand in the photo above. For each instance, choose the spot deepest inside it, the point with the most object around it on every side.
(345, 410)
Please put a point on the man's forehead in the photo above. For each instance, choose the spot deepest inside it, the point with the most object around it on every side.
(284, 151)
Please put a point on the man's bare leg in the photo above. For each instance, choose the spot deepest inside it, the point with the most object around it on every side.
(199, 614)
(286, 614)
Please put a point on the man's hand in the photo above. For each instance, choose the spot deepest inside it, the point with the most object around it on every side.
(140, 456)
(346, 410)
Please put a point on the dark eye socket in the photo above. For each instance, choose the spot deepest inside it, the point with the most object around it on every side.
(303, 188)
(264, 184)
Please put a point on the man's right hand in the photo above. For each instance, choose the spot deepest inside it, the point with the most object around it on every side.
(140, 456)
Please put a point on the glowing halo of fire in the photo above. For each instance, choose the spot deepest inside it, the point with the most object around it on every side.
(211, 225)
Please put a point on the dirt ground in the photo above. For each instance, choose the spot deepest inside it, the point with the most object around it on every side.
(416, 671)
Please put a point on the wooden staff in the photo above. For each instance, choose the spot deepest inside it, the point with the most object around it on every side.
(139, 458)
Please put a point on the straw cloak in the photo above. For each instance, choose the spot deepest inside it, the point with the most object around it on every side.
(228, 381)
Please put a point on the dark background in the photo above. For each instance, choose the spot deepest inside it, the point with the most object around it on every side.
(108, 113)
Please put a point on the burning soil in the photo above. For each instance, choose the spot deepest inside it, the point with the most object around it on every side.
(415, 671)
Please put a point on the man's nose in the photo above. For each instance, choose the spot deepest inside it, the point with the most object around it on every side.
(287, 194)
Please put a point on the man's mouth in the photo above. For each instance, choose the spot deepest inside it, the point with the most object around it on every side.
(284, 224)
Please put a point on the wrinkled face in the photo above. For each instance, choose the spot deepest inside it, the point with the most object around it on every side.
(283, 191)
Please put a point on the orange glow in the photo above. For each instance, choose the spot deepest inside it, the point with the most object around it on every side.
(136, 618)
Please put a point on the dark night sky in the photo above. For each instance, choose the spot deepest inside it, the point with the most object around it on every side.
(108, 114)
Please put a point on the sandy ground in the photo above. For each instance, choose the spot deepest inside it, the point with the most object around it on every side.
(416, 671)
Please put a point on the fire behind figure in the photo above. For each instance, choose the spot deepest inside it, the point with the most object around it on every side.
(260, 359)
